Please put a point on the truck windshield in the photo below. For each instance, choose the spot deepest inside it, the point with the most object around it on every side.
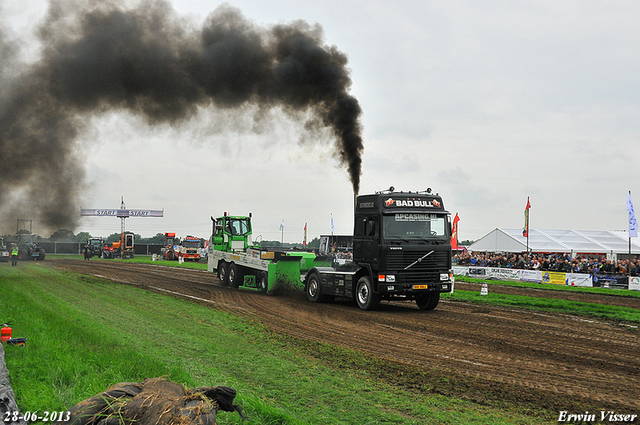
(414, 226)
(238, 226)
(191, 244)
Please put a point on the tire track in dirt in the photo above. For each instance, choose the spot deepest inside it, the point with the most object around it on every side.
(528, 354)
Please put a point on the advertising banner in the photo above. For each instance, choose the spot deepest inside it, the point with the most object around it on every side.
(539, 276)
(504, 274)
(478, 272)
(460, 271)
(556, 278)
(576, 279)
(634, 283)
(610, 281)
(531, 276)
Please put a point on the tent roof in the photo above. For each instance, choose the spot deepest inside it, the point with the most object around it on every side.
(577, 241)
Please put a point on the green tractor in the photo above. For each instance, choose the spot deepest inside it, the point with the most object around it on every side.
(28, 249)
(96, 246)
(241, 262)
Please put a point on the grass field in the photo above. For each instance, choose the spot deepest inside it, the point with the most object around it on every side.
(86, 334)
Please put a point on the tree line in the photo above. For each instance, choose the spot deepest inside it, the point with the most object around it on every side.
(66, 235)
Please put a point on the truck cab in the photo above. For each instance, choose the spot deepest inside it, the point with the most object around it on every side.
(401, 251)
(189, 248)
(232, 233)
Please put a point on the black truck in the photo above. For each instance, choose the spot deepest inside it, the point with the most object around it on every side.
(401, 251)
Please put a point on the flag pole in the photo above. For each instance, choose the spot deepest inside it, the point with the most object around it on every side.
(526, 222)
(633, 225)
(629, 267)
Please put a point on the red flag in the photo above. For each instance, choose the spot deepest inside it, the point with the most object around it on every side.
(454, 232)
(525, 231)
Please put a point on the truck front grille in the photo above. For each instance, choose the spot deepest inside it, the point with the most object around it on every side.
(399, 260)
(425, 271)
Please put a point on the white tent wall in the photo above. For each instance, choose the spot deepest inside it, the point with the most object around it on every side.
(574, 242)
(497, 241)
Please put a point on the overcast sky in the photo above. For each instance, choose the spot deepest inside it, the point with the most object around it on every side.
(487, 103)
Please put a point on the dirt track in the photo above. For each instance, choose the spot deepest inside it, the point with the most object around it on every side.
(489, 354)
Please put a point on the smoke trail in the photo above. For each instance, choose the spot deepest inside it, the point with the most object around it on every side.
(102, 56)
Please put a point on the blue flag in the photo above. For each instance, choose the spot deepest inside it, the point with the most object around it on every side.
(633, 224)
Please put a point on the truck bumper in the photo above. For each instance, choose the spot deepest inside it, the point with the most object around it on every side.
(387, 288)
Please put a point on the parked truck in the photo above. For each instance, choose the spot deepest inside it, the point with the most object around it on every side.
(401, 251)
(4, 251)
(189, 248)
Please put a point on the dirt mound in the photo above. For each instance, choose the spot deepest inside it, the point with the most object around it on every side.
(155, 401)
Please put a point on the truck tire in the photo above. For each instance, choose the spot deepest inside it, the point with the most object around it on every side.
(264, 281)
(41, 254)
(428, 301)
(223, 274)
(235, 275)
(312, 288)
(365, 297)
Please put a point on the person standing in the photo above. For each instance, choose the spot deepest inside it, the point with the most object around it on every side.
(14, 255)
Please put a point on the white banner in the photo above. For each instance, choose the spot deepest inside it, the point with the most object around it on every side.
(531, 276)
(122, 213)
(460, 271)
(634, 283)
(576, 279)
(504, 274)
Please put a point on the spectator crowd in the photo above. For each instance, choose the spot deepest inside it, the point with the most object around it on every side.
(551, 262)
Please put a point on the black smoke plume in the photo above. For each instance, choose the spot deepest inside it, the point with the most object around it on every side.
(100, 56)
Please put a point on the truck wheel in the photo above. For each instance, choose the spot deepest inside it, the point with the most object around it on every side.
(365, 297)
(312, 288)
(264, 281)
(223, 274)
(41, 254)
(428, 301)
(235, 275)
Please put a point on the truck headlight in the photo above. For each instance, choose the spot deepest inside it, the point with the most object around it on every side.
(386, 278)
(444, 276)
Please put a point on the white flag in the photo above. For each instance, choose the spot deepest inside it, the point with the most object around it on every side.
(633, 224)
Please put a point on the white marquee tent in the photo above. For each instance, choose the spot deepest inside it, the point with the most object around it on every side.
(603, 242)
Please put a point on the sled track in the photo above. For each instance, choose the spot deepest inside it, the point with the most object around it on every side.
(546, 360)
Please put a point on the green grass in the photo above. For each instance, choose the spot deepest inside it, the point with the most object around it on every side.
(608, 312)
(554, 287)
(86, 334)
(621, 314)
